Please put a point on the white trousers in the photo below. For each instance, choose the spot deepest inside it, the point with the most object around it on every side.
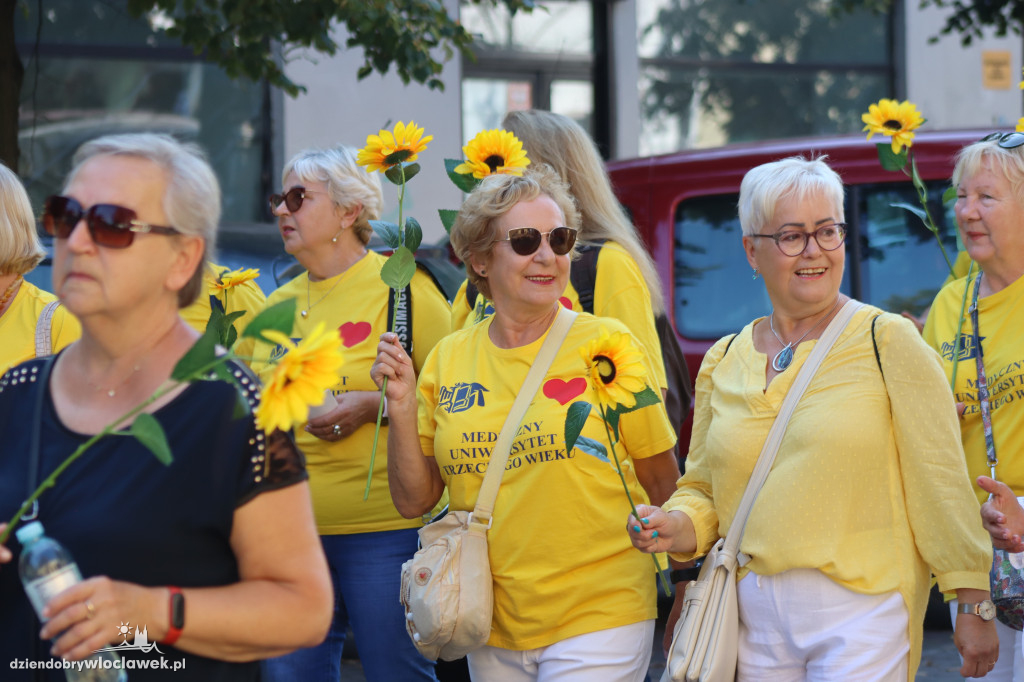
(1010, 666)
(620, 654)
(800, 625)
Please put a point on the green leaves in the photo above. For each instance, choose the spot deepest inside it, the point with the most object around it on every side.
(575, 418)
(199, 357)
(396, 172)
(147, 430)
(448, 217)
(592, 448)
(279, 317)
(889, 160)
(644, 398)
(467, 183)
(388, 232)
(413, 234)
(399, 268)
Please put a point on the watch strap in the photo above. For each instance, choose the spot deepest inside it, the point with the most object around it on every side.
(176, 615)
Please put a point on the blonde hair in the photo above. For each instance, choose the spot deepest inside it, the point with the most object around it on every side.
(192, 198)
(971, 159)
(764, 186)
(347, 183)
(563, 144)
(19, 242)
(473, 233)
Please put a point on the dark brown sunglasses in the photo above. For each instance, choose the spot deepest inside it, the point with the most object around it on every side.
(292, 199)
(526, 240)
(109, 225)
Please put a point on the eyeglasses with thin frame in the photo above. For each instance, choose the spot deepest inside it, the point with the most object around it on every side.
(794, 242)
(109, 225)
(292, 199)
(1010, 140)
(526, 240)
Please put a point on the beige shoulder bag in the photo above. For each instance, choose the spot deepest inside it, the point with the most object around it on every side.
(446, 587)
(704, 644)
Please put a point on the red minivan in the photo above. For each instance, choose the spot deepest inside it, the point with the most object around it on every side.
(684, 206)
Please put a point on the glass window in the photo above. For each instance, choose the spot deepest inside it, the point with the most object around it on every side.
(485, 101)
(560, 26)
(717, 71)
(574, 99)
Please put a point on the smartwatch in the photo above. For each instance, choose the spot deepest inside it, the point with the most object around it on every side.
(176, 607)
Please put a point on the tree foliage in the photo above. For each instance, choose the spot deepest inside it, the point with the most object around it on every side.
(969, 19)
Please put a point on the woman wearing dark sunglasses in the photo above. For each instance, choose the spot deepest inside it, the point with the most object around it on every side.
(323, 214)
(214, 556)
(571, 600)
(867, 497)
(989, 182)
(31, 320)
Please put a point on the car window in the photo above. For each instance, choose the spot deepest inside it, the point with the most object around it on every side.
(892, 261)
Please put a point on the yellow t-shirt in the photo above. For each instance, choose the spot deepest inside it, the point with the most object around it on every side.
(18, 326)
(356, 304)
(960, 267)
(561, 561)
(1001, 328)
(619, 291)
(869, 485)
(246, 296)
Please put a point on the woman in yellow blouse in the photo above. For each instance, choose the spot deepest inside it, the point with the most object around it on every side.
(868, 495)
(31, 321)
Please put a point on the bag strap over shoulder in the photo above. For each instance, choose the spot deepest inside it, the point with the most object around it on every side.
(44, 340)
(774, 439)
(502, 447)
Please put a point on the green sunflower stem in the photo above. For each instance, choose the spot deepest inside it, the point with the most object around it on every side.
(922, 198)
(391, 328)
(960, 330)
(632, 507)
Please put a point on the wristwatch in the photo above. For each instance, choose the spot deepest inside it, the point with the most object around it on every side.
(176, 609)
(985, 610)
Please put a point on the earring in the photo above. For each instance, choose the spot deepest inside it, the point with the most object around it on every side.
(755, 273)
(483, 273)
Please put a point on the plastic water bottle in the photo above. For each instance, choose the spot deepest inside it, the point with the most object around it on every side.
(47, 569)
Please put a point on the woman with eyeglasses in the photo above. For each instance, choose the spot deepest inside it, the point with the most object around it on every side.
(32, 321)
(978, 320)
(198, 557)
(868, 495)
(571, 598)
(324, 214)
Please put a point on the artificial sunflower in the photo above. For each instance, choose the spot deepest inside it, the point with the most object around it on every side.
(389, 149)
(616, 368)
(300, 378)
(233, 278)
(1020, 125)
(493, 152)
(896, 119)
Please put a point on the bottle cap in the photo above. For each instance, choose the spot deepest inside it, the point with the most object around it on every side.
(29, 532)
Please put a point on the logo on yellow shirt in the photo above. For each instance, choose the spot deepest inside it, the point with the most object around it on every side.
(461, 397)
(967, 350)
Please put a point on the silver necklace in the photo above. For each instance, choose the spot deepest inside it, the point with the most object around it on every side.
(784, 358)
(309, 306)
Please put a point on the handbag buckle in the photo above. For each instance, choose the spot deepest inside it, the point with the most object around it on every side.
(490, 520)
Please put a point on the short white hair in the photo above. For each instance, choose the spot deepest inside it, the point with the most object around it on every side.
(20, 248)
(347, 182)
(764, 186)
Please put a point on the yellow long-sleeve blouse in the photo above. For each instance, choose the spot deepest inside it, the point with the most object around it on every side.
(869, 485)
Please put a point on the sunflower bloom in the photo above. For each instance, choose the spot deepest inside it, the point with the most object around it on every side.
(493, 152)
(896, 119)
(299, 379)
(1020, 125)
(616, 368)
(234, 278)
(389, 149)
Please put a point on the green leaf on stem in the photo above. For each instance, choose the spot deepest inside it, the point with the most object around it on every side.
(575, 418)
(916, 210)
(399, 268)
(147, 430)
(889, 160)
(448, 217)
(199, 356)
(413, 234)
(411, 171)
(388, 232)
(394, 174)
(949, 195)
(644, 398)
(467, 183)
(279, 317)
(592, 448)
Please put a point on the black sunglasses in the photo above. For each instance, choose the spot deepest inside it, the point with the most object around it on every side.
(109, 225)
(1010, 140)
(292, 199)
(526, 240)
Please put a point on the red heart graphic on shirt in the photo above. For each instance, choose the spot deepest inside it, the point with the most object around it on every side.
(354, 332)
(565, 302)
(564, 391)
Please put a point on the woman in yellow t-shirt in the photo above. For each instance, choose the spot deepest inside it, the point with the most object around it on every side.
(868, 495)
(31, 320)
(571, 597)
(323, 214)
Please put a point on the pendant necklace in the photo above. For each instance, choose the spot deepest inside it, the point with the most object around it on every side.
(784, 358)
(111, 392)
(309, 306)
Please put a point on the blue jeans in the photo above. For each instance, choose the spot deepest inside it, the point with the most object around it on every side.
(366, 573)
